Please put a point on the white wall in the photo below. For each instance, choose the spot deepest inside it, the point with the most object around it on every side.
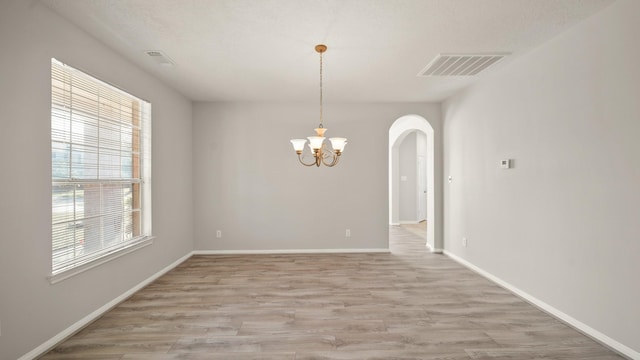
(408, 152)
(31, 310)
(564, 224)
(250, 185)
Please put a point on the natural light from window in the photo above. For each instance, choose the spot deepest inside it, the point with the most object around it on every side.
(100, 169)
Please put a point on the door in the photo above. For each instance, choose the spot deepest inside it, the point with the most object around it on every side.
(422, 188)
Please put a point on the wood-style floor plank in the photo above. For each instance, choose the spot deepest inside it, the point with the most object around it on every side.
(409, 304)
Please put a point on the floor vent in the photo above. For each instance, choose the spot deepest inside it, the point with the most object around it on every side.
(460, 64)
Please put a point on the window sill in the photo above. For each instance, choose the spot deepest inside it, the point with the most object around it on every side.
(63, 275)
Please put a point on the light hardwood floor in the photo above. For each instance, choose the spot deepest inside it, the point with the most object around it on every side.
(419, 229)
(409, 304)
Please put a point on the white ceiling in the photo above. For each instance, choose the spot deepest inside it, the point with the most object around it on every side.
(263, 50)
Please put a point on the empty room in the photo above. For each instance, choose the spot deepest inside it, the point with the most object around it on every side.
(320, 179)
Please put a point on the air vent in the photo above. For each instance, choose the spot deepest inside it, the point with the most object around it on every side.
(159, 57)
(460, 65)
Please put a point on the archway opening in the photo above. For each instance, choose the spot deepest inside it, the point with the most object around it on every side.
(399, 130)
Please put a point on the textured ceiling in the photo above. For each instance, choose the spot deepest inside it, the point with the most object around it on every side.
(263, 50)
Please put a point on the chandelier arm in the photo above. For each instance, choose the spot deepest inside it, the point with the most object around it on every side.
(334, 161)
(304, 163)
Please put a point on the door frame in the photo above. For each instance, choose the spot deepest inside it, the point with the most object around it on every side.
(400, 128)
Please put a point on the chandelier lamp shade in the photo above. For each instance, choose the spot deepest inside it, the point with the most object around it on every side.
(322, 154)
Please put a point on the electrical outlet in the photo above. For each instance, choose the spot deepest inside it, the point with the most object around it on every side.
(464, 241)
(218, 233)
(347, 233)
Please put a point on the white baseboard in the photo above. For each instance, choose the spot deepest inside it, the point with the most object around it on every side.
(79, 325)
(411, 222)
(289, 251)
(578, 325)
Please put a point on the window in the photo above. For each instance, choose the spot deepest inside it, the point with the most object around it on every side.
(100, 170)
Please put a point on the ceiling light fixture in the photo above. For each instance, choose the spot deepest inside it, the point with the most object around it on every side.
(321, 153)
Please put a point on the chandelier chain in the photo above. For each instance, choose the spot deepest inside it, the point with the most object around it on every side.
(321, 90)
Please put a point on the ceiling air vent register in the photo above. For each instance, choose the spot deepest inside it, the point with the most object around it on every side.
(460, 64)
(159, 57)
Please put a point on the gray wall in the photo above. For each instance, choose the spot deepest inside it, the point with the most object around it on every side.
(564, 224)
(408, 152)
(31, 310)
(250, 185)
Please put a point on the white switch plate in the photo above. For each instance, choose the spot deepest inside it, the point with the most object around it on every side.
(218, 233)
(347, 233)
(464, 242)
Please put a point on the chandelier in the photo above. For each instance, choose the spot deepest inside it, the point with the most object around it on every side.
(317, 147)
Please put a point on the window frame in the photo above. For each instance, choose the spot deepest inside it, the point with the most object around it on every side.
(105, 181)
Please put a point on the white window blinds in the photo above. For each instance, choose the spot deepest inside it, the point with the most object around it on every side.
(100, 157)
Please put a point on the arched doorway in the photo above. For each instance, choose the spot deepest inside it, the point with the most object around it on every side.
(402, 127)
